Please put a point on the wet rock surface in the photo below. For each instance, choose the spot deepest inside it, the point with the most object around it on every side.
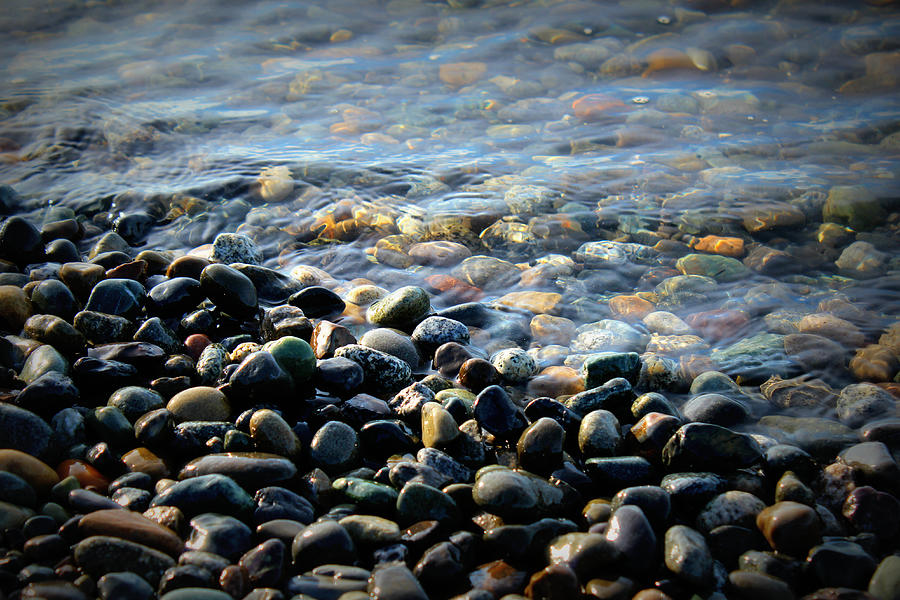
(450, 300)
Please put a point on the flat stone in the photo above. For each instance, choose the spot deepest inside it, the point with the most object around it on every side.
(37, 473)
(133, 527)
(25, 431)
(206, 493)
(99, 555)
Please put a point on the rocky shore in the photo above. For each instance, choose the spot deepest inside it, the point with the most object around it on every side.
(201, 426)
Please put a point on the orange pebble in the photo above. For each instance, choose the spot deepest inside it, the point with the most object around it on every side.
(142, 460)
(632, 308)
(86, 475)
(556, 381)
(595, 106)
(455, 289)
(726, 246)
(195, 344)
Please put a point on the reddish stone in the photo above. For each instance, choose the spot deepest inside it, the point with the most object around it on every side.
(719, 324)
(594, 107)
(726, 246)
(135, 269)
(187, 266)
(195, 344)
(454, 290)
(630, 308)
(86, 475)
(328, 337)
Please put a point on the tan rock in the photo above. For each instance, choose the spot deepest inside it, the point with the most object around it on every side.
(37, 473)
(131, 526)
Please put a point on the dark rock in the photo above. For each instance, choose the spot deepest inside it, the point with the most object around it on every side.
(231, 291)
(219, 534)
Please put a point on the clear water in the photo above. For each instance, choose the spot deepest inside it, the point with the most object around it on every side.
(401, 112)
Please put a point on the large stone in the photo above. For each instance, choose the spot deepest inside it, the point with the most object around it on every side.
(99, 555)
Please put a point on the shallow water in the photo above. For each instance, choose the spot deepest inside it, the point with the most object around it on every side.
(320, 128)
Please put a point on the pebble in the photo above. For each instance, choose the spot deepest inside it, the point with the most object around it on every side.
(218, 534)
(393, 342)
(334, 447)
(439, 428)
(790, 527)
(382, 372)
(271, 433)
(317, 302)
(230, 248)
(229, 290)
(734, 507)
(860, 403)
(204, 493)
(99, 555)
(25, 432)
(514, 364)
(200, 403)
(687, 555)
(435, 331)
(401, 308)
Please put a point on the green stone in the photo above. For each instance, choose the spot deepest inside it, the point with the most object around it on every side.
(420, 502)
(853, 205)
(368, 495)
(720, 268)
(43, 360)
(400, 308)
(293, 355)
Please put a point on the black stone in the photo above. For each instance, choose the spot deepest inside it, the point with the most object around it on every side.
(317, 302)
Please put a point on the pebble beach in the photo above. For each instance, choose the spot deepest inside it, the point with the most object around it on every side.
(470, 300)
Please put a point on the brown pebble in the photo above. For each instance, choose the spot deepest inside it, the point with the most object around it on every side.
(556, 582)
(187, 266)
(195, 344)
(449, 357)
(328, 337)
(37, 473)
(477, 374)
(790, 527)
(135, 269)
(131, 526)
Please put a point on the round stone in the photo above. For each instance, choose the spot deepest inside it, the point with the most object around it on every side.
(393, 342)
(229, 289)
(271, 433)
(790, 527)
(295, 356)
(334, 447)
(438, 426)
(136, 401)
(505, 493)
(200, 403)
(230, 248)
(514, 364)
(435, 331)
(401, 308)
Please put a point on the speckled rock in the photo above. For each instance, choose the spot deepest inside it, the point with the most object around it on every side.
(436, 331)
(730, 508)
(230, 248)
(384, 373)
(688, 556)
(401, 308)
(862, 402)
(513, 364)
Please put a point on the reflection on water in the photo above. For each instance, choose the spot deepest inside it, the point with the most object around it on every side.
(749, 142)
